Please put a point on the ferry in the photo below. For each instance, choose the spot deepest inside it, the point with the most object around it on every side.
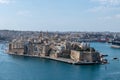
(115, 44)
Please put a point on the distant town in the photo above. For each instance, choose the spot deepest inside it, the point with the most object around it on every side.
(9, 35)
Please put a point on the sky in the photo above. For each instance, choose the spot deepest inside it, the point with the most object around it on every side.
(60, 15)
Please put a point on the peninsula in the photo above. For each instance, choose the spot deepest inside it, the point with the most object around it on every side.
(55, 47)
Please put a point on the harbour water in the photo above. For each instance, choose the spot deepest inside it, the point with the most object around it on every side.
(27, 68)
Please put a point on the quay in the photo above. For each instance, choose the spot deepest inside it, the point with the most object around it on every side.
(69, 61)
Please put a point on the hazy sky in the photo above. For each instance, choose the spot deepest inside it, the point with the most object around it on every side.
(60, 15)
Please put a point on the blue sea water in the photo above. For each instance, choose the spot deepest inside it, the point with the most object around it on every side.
(28, 68)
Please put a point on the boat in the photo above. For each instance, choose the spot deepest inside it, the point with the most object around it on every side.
(104, 61)
(115, 44)
(115, 58)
